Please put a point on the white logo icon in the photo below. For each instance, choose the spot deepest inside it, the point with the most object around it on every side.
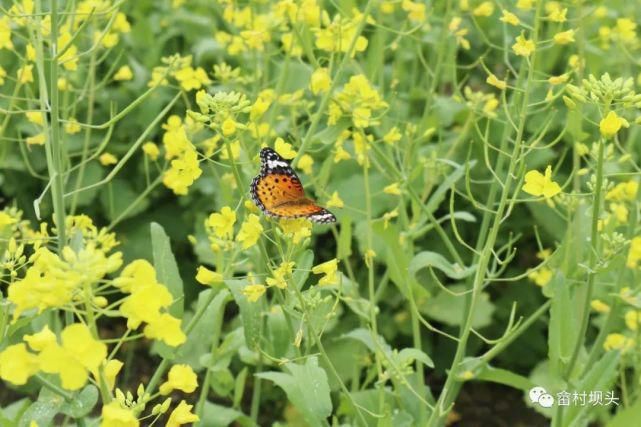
(541, 396)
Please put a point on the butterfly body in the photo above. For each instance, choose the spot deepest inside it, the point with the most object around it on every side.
(278, 192)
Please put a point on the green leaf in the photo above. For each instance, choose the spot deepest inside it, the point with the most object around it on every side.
(307, 389)
(278, 334)
(433, 259)
(118, 196)
(167, 268)
(43, 410)
(200, 338)
(438, 195)
(303, 267)
(344, 249)
(449, 309)
(10, 414)
(563, 324)
(220, 416)
(408, 355)
(250, 312)
(82, 403)
(601, 376)
(626, 417)
(503, 376)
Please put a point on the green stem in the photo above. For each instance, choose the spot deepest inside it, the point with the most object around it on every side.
(49, 102)
(592, 259)
(448, 395)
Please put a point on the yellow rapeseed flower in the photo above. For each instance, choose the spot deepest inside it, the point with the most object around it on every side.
(72, 126)
(284, 149)
(484, 9)
(320, 81)
(166, 328)
(392, 136)
(79, 354)
(25, 74)
(107, 159)
(35, 117)
(541, 277)
(329, 269)
(335, 201)
(557, 80)
(296, 229)
(254, 292)
(599, 306)
(205, 276)
(5, 33)
(623, 191)
(510, 18)
(40, 340)
(112, 369)
(124, 73)
(180, 377)
(525, 4)
(182, 415)
(305, 164)
(537, 184)
(618, 342)
(38, 139)
(394, 189)
(250, 231)
(222, 224)
(632, 319)
(611, 124)
(151, 150)
(523, 46)
(114, 415)
(17, 364)
(634, 253)
(564, 37)
(183, 173)
(494, 81)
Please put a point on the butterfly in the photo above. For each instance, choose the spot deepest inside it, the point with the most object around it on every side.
(277, 191)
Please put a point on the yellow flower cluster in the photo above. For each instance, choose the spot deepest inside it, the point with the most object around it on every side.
(78, 355)
(358, 100)
(54, 281)
(147, 302)
(185, 168)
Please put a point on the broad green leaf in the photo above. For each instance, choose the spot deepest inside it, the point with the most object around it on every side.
(504, 376)
(344, 249)
(278, 334)
(200, 338)
(411, 354)
(626, 417)
(118, 197)
(43, 410)
(10, 414)
(82, 403)
(563, 326)
(167, 268)
(601, 376)
(303, 267)
(220, 416)
(307, 389)
(438, 195)
(449, 309)
(433, 259)
(250, 312)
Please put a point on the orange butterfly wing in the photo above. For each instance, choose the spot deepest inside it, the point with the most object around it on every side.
(278, 192)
